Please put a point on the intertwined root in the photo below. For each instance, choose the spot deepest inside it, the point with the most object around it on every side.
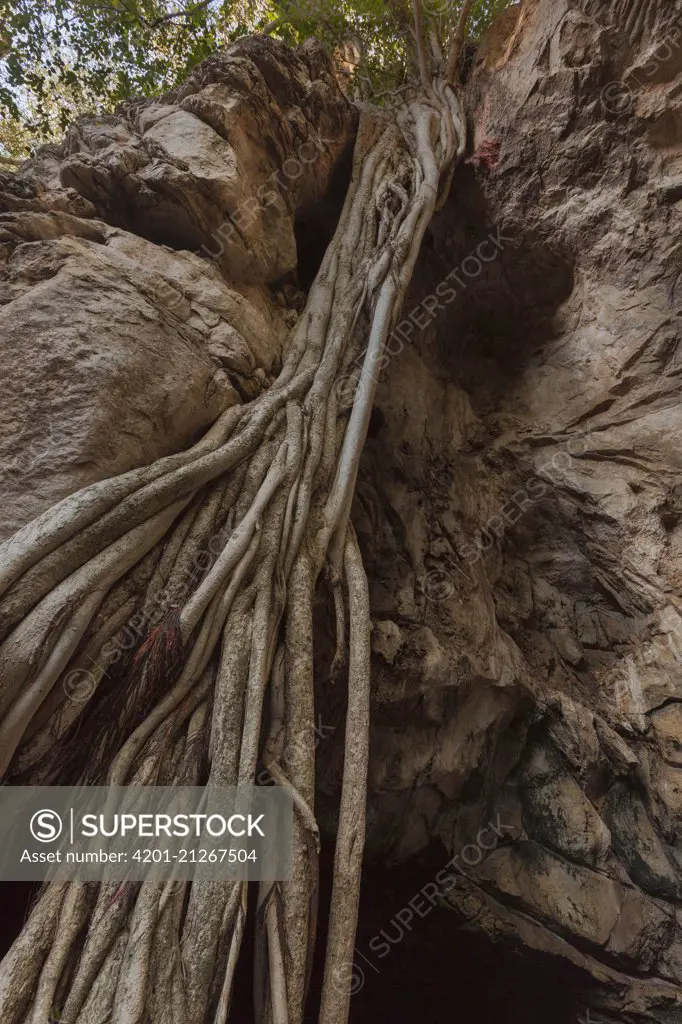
(274, 481)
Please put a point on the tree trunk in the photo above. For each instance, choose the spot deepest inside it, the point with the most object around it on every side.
(276, 476)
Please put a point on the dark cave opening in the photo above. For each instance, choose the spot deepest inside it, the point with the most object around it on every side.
(316, 223)
(501, 282)
(436, 970)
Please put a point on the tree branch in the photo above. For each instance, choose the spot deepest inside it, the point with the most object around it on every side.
(421, 50)
(457, 41)
(187, 13)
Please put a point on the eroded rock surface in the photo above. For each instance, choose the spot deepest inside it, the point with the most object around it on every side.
(520, 512)
(120, 345)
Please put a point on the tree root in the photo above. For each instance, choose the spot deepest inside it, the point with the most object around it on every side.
(273, 482)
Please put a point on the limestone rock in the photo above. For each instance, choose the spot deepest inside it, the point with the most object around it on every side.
(639, 845)
(223, 164)
(120, 344)
(523, 476)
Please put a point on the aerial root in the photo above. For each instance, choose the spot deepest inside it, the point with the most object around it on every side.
(351, 831)
(273, 482)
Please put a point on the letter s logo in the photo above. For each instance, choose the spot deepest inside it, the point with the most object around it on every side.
(46, 826)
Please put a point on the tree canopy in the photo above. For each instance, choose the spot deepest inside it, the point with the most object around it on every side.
(72, 56)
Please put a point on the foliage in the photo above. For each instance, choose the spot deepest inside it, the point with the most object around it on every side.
(69, 56)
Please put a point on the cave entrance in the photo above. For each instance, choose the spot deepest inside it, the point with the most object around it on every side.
(316, 223)
(439, 973)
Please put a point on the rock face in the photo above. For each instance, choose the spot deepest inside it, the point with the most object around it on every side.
(520, 510)
(520, 498)
(116, 349)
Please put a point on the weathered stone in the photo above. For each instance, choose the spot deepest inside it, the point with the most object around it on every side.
(579, 902)
(523, 480)
(223, 164)
(119, 349)
(557, 812)
(637, 843)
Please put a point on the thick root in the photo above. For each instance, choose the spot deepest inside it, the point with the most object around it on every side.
(273, 481)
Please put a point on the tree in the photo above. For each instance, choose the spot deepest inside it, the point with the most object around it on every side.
(236, 657)
(82, 56)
